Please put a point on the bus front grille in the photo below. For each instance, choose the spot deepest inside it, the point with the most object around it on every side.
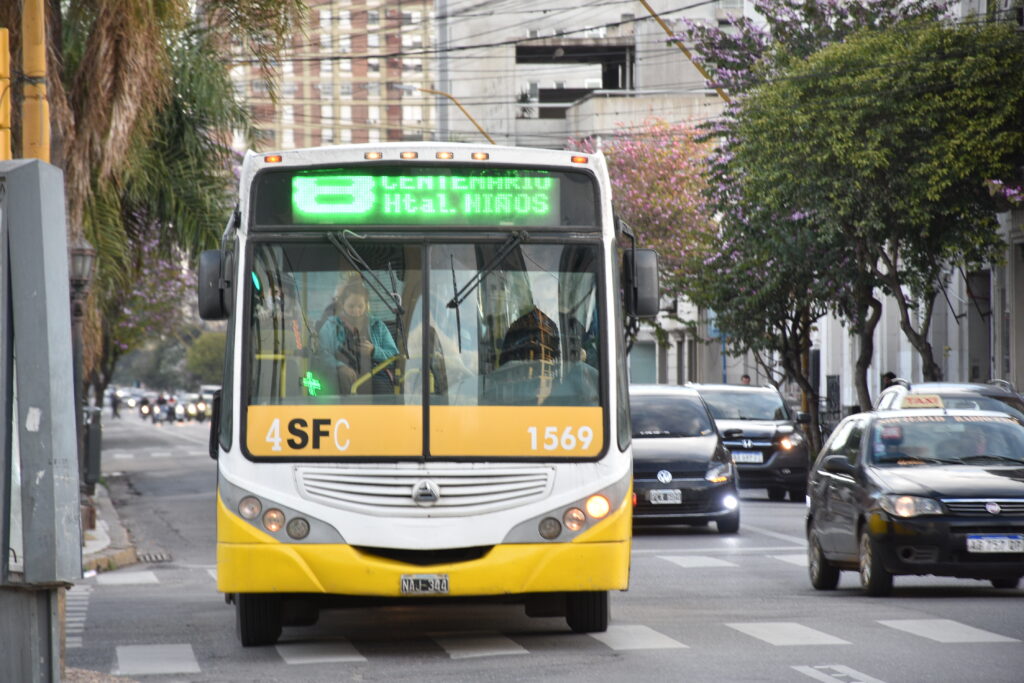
(434, 491)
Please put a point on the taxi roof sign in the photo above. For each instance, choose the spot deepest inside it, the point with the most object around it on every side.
(921, 401)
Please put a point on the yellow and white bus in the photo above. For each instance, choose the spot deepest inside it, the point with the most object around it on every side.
(425, 390)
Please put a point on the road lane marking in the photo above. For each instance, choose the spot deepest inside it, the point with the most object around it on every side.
(134, 660)
(319, 652)
(946, 631)
(799, 540)
(848, 675)
(161, 454)
(691, 561)
(126, 578)
(636, 637)
(799, 560)
(786, 633)
(718, 549)
(123, 456)
(480, 646)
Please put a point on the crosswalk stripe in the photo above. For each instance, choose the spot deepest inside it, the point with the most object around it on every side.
(799, 560)
(124, 456)
(480, 646)
(636, 637)
(847, 674)
(161, 454)
(946, 631)
(126, 578)
(319, 652)
(134, 660)
(691, 561)
(786, 633)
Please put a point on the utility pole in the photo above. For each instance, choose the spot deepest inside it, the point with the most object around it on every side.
(35, 108)
(5, 96)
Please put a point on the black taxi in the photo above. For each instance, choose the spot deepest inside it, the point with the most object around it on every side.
(928, 491)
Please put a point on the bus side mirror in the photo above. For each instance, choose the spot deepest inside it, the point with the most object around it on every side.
(640, 280)
(212, 294)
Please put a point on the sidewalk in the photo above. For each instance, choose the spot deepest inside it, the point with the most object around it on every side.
(108, 546)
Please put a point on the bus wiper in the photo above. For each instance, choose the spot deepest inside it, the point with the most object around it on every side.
(513, 241)
(458, 315)
(391, 298)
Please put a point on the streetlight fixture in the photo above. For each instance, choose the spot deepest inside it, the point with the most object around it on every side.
(81, 257)
(414, 88)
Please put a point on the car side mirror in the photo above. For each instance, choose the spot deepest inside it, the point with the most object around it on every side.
(838, 464)
(803, 418)
(731, 433)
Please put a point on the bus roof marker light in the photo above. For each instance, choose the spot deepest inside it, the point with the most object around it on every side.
(580, 159)
(409, 155)
(373, 156)
(272, 158)
(445, 155)
(480, 156)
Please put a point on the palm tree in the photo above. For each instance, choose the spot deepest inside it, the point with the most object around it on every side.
(141, 109)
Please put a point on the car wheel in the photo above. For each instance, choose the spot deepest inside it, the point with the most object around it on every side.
(587, 612)
(776, 493)
(1011, 582)
(258, 618)
(874, 578)
(730, 524)
(798, 495)
(824, 576)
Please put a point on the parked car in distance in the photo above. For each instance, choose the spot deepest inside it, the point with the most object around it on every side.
(767, 445)
(682, 471)
(929, 491)
(994, 395)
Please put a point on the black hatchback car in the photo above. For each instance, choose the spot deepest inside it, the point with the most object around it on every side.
(927, 491)
(682, 471)
(767, 446)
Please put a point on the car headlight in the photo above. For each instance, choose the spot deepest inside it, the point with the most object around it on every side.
(909, 506)
(791, 441)
(718, 472)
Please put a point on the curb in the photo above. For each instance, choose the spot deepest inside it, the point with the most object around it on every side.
(108, 546)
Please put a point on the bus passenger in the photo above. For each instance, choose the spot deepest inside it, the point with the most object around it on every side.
(355, 340)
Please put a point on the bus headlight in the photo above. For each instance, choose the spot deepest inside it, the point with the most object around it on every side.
(273, 520)
(298, 528)
(574, 519)
(549, 528)
(598, 506)
(250, 507)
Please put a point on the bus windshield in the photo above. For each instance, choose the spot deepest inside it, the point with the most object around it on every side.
(485, 327)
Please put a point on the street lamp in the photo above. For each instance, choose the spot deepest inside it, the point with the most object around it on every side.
(81, 256)
(429, 91)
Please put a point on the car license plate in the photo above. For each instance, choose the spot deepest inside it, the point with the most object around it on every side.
(424, 584)
(665, 496)
(1003, 543)
(754, 457)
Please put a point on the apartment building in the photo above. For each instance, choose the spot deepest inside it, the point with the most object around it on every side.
(351, 75)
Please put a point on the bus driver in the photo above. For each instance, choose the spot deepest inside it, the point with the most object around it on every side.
(355, 340)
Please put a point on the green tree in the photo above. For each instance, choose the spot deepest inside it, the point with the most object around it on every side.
(893, 135)
(205, 357)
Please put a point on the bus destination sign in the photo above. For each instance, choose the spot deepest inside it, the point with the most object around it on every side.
(360, 198)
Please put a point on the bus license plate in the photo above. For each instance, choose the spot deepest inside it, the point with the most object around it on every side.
(1008, 543)
(424, 584)
(665, 496)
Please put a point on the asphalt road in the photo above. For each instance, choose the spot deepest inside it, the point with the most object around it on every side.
(701, 607)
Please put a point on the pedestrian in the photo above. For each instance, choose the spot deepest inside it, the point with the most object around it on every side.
(115, 404)
(887, 379)
(745, 379)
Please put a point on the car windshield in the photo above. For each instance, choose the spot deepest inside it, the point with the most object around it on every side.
(663, 417)
(1005, 404)
(947, 440)
(726, 404)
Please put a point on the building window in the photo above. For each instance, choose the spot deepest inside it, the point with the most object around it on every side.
(346, 114)
(346, 135)
(289, 88)
(373, 65)
(374, 135)
(325, 67)
(373, 17)
(326, 136)
(373, 89)
(373, 40)
(373, 114)
(288, 113)
(325, 40)
(288, 138)
(327, 90)
(260, 87)
(325, 19)
(412, 114)
(344, 19)
(326, 112)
